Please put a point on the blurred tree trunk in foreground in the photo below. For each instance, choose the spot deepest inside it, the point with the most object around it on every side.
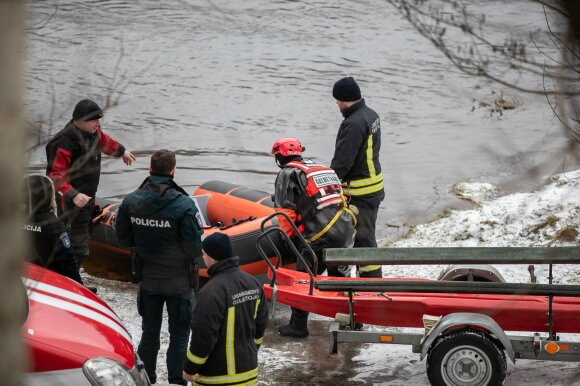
(11, 150)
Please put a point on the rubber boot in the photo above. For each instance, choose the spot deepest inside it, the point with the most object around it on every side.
(297, 327)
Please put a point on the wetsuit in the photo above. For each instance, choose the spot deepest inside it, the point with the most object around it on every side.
(290, 193)
(328, 227)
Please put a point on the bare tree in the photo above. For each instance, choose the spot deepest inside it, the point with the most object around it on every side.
(461, 35)
(11, 150)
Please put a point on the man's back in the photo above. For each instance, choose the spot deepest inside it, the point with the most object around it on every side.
(290, 193)
(231, 314)
(159, 220)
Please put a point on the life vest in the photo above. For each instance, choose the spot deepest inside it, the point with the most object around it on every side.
(322, 184)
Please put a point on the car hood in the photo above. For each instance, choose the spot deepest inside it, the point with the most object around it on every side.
(67, 324)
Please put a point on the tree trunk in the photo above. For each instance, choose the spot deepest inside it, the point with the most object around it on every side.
(12, 244)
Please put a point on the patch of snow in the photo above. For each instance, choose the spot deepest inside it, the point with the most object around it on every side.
(477, 192)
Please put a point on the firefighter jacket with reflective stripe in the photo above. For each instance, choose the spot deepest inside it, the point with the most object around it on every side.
(290, 193)
(74, 160)
(227, 326)
(322, 184)
(356, 154)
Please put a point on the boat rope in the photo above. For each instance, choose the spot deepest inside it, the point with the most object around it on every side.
(333, 220)
(327, 227)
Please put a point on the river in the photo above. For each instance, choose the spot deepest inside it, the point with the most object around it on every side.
(219, 81)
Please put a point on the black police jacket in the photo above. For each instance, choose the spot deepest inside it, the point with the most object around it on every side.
(163, 224)
(49, 238)
(227, 327)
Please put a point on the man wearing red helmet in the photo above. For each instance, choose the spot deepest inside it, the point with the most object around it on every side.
(314, 194)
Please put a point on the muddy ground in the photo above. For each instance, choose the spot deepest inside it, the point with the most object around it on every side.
(285, 361)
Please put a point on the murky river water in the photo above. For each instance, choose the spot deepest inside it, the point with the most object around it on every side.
(219, 81)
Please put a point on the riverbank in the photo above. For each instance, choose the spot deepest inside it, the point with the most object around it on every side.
(549, 216)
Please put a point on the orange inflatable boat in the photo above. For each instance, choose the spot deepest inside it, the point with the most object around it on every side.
(225, 207)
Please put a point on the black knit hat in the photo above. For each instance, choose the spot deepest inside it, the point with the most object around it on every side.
(346, 90)
(87, 110)
(218, 246)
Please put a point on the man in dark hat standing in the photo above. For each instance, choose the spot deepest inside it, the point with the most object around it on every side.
(356, 162)
(164, 226)
(228, 321)
(74, 165)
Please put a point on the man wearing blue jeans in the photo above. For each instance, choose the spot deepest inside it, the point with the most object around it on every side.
(164, 226)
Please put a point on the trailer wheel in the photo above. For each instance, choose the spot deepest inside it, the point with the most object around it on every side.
(466, 358)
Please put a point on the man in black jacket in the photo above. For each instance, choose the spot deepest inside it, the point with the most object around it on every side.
(163, 225)
(228, 322)
(356, 162)
(74, 165)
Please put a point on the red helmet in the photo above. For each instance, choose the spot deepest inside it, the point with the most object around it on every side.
(288, 147)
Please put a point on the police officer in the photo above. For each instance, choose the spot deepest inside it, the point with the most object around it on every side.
(51, 243)
(356, 162)
(229, 321)
(163, 225)
(314, 194)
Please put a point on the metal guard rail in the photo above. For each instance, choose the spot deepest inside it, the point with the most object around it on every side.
(460, 287)
(456, 255)
(276, 229)
(452, 255)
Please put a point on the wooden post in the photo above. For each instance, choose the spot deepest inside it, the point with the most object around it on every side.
(11, 158)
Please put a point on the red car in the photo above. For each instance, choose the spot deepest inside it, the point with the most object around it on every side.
(73, 337)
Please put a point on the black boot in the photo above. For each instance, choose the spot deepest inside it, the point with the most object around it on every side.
(296, 328)
(92, 289)
(375, 274)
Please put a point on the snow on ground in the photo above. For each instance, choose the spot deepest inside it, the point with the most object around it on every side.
(547, 217)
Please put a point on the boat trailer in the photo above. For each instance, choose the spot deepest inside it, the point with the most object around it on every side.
(461, 348)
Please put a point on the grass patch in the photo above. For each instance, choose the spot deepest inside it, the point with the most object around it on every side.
(550, 221)
(568, 234)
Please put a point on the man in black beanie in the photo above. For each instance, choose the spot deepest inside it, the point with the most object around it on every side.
(74, 166)
(228, 321)
(356, 162)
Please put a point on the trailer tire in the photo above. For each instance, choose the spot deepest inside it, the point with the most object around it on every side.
(466, 357)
